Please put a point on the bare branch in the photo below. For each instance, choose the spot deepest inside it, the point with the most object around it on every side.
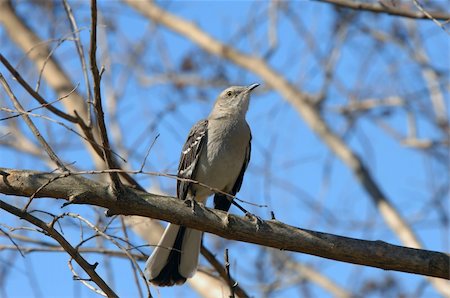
(133, 262)
(271, 233)
(35, 94)
(231, 284)
(48, 228)
(91, 250)
(430, 16)
(31, 125)
(236, 288)
(80, 51)
(26, 39)
(117, 184)
(123, 249)
(380, 8)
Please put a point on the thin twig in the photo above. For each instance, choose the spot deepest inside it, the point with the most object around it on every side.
(430, 16)
(35, 94)
(148, 152)
(46, 60)
(88, 138)
(84, 281)
(84, 250)
(80, 51)
(135, 276)
(222, 272)
(378, 8)
(42, 106)
(50, 231)
(116, 183)
(31, 125)
(231, 283)
(110, 238)
(42, 187)
(16, 246)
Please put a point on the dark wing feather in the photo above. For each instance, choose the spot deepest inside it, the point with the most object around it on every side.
(223, 202)
(190, 154)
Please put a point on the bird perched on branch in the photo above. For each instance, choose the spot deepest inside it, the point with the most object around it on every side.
(216, 154)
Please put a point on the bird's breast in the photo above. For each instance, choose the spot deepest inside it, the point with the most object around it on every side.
(222, 162)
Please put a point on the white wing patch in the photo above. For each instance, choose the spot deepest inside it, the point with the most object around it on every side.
(189, 157)
(194, 144)
(188, 171)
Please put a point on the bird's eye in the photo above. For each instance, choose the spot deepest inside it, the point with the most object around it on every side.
(229, 93)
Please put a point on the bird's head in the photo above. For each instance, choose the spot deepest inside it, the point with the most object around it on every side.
(233, 101)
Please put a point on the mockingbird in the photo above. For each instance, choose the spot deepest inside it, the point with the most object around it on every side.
(216, 154)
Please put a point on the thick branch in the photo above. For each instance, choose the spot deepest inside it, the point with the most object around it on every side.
(272, 233)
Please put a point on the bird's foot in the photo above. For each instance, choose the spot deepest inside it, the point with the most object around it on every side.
(191, 203)
(256, 219)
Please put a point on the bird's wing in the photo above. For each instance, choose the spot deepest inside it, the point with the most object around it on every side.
(190, 154)
(240, 178)
(223, 202)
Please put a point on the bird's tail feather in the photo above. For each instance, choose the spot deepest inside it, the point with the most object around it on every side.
(175, 258)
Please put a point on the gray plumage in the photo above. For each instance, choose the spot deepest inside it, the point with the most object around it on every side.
(216, 153)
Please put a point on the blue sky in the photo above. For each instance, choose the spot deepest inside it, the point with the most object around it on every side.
(303, 177)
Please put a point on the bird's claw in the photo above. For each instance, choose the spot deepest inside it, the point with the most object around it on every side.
(191, 203)
(258, 220)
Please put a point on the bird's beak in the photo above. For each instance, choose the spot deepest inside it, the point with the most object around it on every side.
(252, 86)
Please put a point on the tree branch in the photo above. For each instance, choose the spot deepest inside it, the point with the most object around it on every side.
(53, 73)
(223, 273)
(35, 94)
(31, 125)
(107, 156)
(272, 233)
(380, 8)
(49, 230)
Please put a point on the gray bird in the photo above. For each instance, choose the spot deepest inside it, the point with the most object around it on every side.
(216, 153)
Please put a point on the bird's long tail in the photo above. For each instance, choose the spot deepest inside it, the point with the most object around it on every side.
(175, 258)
